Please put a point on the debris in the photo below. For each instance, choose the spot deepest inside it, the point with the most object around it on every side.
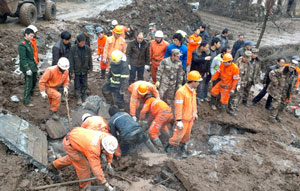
(14, 98)
(23, 138)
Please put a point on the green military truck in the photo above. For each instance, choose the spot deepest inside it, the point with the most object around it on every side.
(27, 10)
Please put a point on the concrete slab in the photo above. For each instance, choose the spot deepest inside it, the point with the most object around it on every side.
(25, 139)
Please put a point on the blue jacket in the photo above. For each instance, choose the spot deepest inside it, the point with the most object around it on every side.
(122, 124)
(183, 50)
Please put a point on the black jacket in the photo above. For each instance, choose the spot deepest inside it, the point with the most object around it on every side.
(199, 63)
(138, 56)
(60, 50)
(205, 36)
(80, 61)
(267, 78)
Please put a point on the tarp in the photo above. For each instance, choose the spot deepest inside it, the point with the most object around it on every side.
(24, 138)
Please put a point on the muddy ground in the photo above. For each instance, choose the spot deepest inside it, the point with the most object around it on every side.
(245, 152)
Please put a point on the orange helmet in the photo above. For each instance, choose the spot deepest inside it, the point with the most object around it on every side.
(194, 76)
(118, 29)
(227, 57)
(143, 89)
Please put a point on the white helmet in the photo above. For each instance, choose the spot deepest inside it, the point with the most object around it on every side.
(110, 144)
(159, 34)
(32, 27)
(114, 22)
(182, 33)
(85, 116)
(63, 63)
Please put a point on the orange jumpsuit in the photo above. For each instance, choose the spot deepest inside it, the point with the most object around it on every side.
(49, 81)
(298, 80)
(35, 50)
(83, 148)
(113, 44)
(101, 45)
(157, 53)
(135, 96)
(161, 113)
(96, 123)
(229, 77)
(192, 45)
(185, 110)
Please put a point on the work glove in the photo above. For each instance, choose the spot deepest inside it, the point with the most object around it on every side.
(179, 125)
(99, 58)
(147, 67)
(157, 84)
(297, 91)
(104, 61)
(207, 58)
(110, 169)
(129, 67)
(238, 87)
(66, 91)
(134, 118)
(196, 116)
(28, 73)
(44, 94)
(231, 92)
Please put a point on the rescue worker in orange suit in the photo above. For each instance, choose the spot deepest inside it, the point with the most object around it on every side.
(158, 47)
(114, 42)
(137, 91)
(83, 148)
(228, 73)
(55, 76)
(185, 114)
(124, 29)
(194, 41)
(101, 44)
(33, 43)
(97, 123)
(162, 115)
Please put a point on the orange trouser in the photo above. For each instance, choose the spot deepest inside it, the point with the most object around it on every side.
(76, 158)
(183, 135)
(103, 66)
(54, 98)
(153, 71)
(160, 122)
(225, 93)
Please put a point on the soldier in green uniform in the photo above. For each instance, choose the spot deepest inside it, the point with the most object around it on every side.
(27, 65)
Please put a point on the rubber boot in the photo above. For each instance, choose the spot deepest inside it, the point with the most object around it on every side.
(54, 115)
(150, 146)
(83, 96)
(108, 97)
(183, 152)
(245, 103)
(166, 136)
(102, 76)
(213, 101)
(171, 150)
(158, 144)
(78, 96)
(50, 167)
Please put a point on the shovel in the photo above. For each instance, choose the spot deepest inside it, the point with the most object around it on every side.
(68, 111)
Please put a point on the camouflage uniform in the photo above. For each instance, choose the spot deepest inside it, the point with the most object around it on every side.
(249, 75)
(170, 75)
(281, 88)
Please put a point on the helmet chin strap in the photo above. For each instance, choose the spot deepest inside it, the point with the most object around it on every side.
(61, 70)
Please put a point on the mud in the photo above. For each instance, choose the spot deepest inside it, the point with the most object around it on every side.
(258, 155)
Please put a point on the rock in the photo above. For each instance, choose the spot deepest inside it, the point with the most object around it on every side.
(229, 144)
(14, 98)
(92, 103)
(24, 184)
(77, 114)
(56, 129)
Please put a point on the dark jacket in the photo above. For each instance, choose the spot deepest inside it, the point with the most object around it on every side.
(267, 78)
(138, 55)
(26, 57)
(122, 125)
(118, 75)
(60, 50)
(199, 63)
(205, 36)
(237, 45)
(80, 60)
(224, 41)
(240, 52)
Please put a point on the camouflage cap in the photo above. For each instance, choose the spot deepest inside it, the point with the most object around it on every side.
(248, 54)
(176, 52)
